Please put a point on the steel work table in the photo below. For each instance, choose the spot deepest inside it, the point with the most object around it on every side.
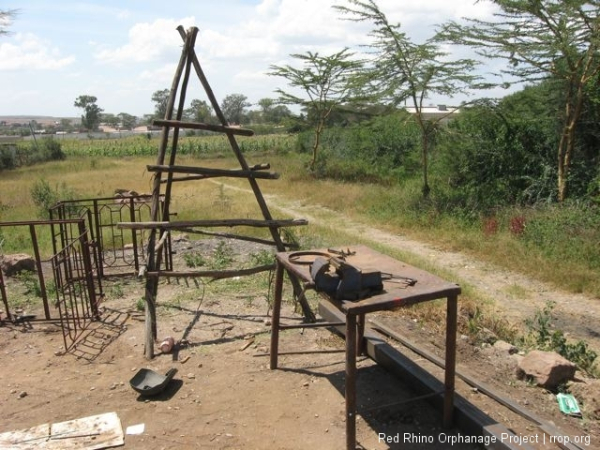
(427, 287)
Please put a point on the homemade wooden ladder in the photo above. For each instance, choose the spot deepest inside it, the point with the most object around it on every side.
(160, 224)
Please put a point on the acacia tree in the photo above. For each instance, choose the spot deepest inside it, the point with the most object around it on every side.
(234, 107)
(539, 39)
(327, 82)
(272, 112)
(161, 100)
(402, 70)
(128, 121)
(91, 111)
(200, 111)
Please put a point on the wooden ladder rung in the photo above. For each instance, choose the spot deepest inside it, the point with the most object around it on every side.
(213, 223)
(214, 274)
(210, 172)
(203, 126)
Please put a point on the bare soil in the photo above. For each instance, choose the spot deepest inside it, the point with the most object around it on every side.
(225, 397)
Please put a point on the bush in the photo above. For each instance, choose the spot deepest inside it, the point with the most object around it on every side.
(44, 196)
(52, 150)
(383, 149)
(8, 157)
(491, 159)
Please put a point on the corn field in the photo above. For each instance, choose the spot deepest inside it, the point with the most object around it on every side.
(196, 146)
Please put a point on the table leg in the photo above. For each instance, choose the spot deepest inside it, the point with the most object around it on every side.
(275, 317)
(360, 341)
(449, 375)
(350, 393)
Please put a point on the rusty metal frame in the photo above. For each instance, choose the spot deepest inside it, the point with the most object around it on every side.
(76, 299)
(109, 242)
(66, 232)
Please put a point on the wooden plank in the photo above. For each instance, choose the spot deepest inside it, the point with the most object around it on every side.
(204, 126)
(87, 433)
(212, 223)
(29, 438)
(206, 176)
(206, 171)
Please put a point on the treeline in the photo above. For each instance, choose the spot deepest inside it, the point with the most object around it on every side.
(491, 155)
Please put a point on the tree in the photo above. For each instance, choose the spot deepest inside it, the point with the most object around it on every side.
(200, 111)
(403, 70)
(272, 112)
(91, 116)
(326, 82)
(234, 107)
(110, 119)
(66, 124)
(538, 39)
(160, 99)
(128, 121)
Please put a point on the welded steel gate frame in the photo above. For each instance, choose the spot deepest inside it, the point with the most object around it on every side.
(76, 299)
(78, 288)
(111, 245)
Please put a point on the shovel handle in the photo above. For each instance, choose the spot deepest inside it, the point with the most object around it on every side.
(171, 373)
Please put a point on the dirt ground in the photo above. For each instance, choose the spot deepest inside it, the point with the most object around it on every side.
(224, 396)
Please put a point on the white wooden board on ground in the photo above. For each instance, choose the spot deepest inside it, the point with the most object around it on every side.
(88, 433)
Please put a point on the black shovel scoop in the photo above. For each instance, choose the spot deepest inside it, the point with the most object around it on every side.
(148, 382)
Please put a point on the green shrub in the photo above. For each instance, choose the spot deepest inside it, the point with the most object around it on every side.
(44, 196)
(194, 259)
(8, 157)
(540, 335)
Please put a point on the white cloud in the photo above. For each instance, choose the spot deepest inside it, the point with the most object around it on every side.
(160, 76)
(123, 14)
(31, 53)
(147, 42)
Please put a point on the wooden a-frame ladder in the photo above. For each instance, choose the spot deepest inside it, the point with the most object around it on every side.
(160, 224)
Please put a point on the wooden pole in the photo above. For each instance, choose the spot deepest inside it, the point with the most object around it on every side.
(153, 262)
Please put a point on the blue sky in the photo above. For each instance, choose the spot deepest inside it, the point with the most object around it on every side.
(123, 51)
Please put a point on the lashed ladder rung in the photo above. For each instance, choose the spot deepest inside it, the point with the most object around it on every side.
(209, 172)
(213, 223)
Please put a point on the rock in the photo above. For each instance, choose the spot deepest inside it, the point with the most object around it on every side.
(22, 394)
(18, 262)
(548, 369)
(587, 393)
(505, 347)
(487, 336)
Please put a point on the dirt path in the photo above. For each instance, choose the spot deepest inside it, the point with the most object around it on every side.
(514, 296)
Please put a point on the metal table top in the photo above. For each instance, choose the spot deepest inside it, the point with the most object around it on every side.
(394, 294)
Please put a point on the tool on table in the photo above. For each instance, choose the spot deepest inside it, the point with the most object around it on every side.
(398, 279)
(344, 281)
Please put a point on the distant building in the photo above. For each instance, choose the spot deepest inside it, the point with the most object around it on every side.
(439, 112)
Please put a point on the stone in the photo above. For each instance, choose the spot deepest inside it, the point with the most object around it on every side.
(505, 347)
(548, 369)
(18, 262)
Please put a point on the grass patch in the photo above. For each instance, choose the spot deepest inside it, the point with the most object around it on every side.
(549, 237)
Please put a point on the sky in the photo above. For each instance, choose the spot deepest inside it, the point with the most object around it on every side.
(123, 51)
